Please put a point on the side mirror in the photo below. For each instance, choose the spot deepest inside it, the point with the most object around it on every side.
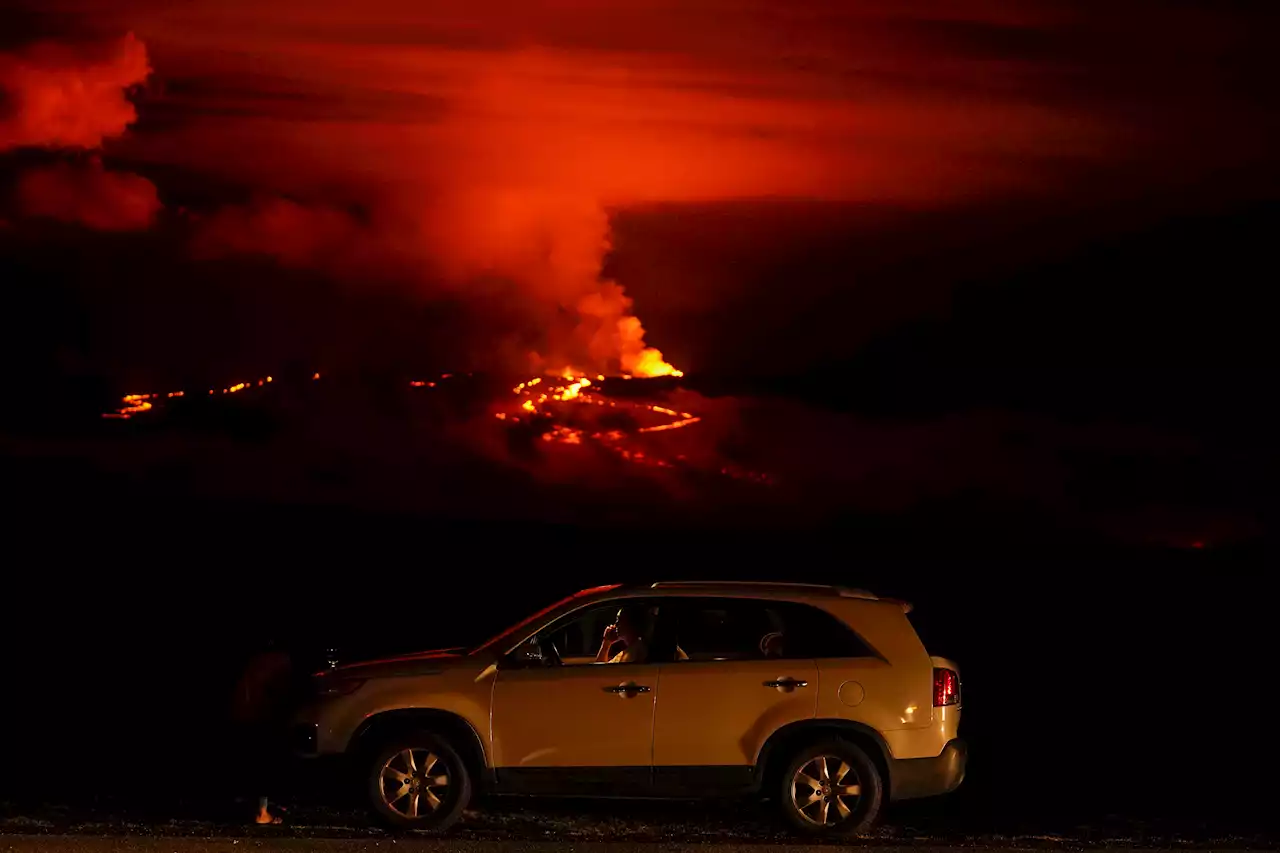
(528, 654)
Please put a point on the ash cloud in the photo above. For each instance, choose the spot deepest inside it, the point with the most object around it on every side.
(74, 97)
(64, 96)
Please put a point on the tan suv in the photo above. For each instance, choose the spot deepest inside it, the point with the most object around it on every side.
(821, 698)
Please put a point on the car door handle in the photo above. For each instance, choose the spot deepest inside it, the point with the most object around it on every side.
(627, 688)
(786, 683)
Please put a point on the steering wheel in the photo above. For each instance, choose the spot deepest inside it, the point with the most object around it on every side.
(767, 640)
(550, 654)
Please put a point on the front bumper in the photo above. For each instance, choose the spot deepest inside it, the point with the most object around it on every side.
(913, 778)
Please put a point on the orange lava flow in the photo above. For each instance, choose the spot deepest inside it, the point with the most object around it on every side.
(132, 404)
(550, 400)
(535, 395)
(563, 409)
(136, 404)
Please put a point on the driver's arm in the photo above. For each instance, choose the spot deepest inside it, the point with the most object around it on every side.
(606, 643)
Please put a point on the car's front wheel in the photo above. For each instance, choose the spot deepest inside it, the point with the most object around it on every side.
(418, 781)
(831, 787)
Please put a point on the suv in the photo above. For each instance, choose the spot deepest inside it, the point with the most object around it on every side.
(821, 698)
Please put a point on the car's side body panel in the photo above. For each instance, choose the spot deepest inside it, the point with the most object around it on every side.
(702, 727)
(713, 713)
(571, 716)
(460, 687)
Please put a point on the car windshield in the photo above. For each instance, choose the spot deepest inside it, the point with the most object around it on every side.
(515, 630)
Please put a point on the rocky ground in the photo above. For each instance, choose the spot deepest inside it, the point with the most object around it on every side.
(135, 844)
(508, 826)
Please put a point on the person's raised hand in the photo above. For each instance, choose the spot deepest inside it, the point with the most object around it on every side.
(611, 634)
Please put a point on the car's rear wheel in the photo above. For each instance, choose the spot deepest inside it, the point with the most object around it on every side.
(832, 788)
(418, 781)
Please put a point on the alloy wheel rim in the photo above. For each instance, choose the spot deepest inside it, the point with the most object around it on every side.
(413, 782)
(825, 790)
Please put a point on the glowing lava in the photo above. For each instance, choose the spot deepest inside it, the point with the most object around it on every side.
(650, 364)
(572, 409)
(563, 409)
(132, 404)
(535, 395)
(136, 404)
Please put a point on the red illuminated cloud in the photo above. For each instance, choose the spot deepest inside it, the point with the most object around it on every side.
(88, 195)
(494, 137)
(60, 96)
(293, 234)
(57, 96)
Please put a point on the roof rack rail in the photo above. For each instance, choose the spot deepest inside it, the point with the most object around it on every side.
(843, 592)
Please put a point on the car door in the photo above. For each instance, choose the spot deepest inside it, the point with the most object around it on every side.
(716, 708)
(578, 726)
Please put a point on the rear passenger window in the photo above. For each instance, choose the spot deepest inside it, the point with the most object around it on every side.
(716, 630)
(707, 629)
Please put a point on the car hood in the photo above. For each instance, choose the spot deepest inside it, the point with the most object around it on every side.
(411, 663)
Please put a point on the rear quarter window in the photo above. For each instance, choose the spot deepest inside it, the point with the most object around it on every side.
(814, 633)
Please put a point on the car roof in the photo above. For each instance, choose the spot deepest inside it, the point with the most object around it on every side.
(767, 588)
(729, 589)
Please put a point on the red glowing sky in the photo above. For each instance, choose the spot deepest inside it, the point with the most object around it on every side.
(399, 102)
(440, 142)
(643, 100)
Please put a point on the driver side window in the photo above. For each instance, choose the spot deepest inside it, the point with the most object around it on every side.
(576, 638)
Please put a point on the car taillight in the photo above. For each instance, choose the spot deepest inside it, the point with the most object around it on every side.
(946, 687)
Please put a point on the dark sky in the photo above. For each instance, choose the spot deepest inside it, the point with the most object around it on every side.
(919, 208)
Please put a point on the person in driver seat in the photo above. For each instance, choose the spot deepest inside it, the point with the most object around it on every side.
(630, 626)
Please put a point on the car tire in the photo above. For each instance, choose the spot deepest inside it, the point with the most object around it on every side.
(831, 788)
(418, 781)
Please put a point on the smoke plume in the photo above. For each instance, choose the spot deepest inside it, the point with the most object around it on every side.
(554, 247)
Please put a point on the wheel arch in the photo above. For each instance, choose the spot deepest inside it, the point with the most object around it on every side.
(462, 736)
(782, 745)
